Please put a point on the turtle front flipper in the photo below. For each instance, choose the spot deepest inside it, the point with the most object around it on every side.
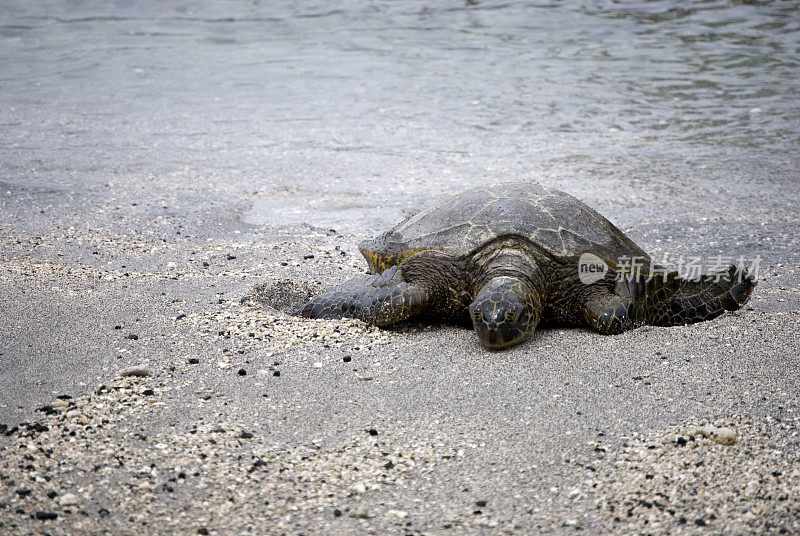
(609, 314)
(673, 301)
(613, 311)
(381, 300)
(665, 299)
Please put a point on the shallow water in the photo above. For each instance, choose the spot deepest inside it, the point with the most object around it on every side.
(351, 114)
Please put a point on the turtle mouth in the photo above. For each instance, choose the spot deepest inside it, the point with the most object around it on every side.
(499, 336)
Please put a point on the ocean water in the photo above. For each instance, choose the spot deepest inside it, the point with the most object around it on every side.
(352, 114)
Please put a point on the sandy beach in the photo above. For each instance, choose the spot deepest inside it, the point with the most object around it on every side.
(152, 381)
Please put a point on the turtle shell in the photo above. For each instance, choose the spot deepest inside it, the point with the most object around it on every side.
(557, 223)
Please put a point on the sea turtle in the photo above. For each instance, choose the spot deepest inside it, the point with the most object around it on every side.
(514, 254)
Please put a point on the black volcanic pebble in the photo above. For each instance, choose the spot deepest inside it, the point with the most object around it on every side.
(47, 410)
(44, 516)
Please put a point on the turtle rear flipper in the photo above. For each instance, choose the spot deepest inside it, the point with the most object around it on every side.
(673, 301)
(381, 300)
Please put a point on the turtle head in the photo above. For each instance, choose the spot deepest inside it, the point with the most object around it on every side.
(504, 312)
